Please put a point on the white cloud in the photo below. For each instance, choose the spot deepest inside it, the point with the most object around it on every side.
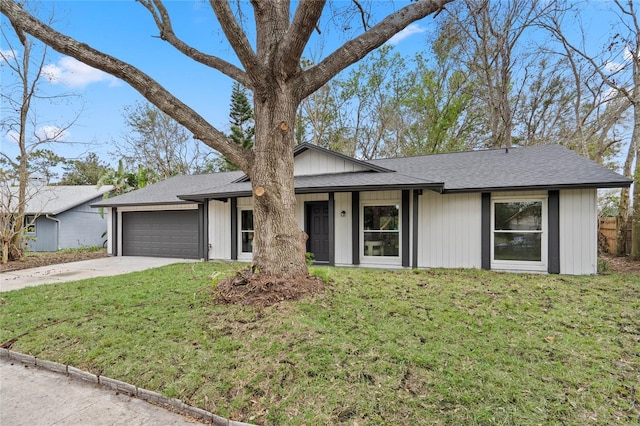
(44, 133)
(12, 136)
(72, 73)
(407, 32)
(7, 54)
(51, 133)
(613, 66)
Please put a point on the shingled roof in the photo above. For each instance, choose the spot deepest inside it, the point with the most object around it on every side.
(45, 199)
(536, 167)
(167, 191)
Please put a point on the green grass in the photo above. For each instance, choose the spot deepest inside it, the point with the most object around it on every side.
(378, 347)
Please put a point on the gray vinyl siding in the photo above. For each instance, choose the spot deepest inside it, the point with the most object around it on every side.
(82, 226)
(46, 236)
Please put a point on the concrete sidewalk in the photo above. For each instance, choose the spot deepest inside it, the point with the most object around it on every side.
(31, 396)
(103, 267)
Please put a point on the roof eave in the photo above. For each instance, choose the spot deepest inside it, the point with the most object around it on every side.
(317, 190)
(593, 185)
(154, 203)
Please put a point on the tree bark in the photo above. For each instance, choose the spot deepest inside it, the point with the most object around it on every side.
(279, 243)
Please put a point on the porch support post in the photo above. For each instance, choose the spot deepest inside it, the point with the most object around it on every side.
(554, 232)
(114, 231)
(405, 228)
(332, 229)
(355, 228)
(203, 239)
(234, 228)
(485, 239)
(414, 235)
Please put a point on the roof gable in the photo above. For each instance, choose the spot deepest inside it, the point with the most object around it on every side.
(310, 159)
(313, 162)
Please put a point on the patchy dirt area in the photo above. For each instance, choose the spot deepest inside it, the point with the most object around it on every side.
(35, 260)
(258, 290)
(621, 264)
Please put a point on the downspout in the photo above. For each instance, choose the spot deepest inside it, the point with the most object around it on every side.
(57, 229)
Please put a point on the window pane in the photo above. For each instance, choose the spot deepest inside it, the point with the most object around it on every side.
(382, 244)
(517, 246)
(381, 218)
(247, 241)
(246, 220)
(29, 224)
(518, 216)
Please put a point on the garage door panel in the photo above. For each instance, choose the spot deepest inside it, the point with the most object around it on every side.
(160, 234)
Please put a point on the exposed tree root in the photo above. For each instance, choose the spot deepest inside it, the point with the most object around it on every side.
(263, 290)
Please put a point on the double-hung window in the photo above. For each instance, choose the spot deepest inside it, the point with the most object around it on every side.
(519, 234)
(381, 231)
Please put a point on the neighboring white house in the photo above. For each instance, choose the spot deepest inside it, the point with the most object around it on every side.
(518, 209)
(61, 217)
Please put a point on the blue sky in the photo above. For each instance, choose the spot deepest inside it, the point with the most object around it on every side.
(126, 30)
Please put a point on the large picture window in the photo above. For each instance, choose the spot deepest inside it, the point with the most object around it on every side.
(381, 230)
(246, 231)
(519, 230)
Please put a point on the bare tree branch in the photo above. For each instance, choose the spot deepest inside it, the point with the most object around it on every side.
(163, 22)
(363, 15)
(304, 22)
(140, 81)
(238, 41)
(357, 48)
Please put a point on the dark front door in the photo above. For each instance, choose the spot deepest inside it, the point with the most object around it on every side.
(317, 219)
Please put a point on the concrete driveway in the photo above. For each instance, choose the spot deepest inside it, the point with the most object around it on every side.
(103, 267)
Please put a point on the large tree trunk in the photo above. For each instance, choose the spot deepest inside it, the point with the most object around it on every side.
(279, 244)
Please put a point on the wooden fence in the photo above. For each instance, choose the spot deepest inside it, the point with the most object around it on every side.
(607, 235)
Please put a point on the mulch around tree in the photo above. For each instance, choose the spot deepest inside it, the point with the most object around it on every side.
(53, 258)
(262, 290)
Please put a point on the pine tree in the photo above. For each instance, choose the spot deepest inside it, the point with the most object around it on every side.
(241, 119)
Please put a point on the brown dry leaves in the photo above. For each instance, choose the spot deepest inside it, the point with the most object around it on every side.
(262, 290)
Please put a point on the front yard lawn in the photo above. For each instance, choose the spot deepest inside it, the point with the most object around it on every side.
(378, 347)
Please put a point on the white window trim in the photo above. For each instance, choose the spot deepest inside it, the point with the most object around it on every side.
(244, 256)
(521, 265)
(381, 260)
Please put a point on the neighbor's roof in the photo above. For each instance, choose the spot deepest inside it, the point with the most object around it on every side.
(47, 199)
(537, 167)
